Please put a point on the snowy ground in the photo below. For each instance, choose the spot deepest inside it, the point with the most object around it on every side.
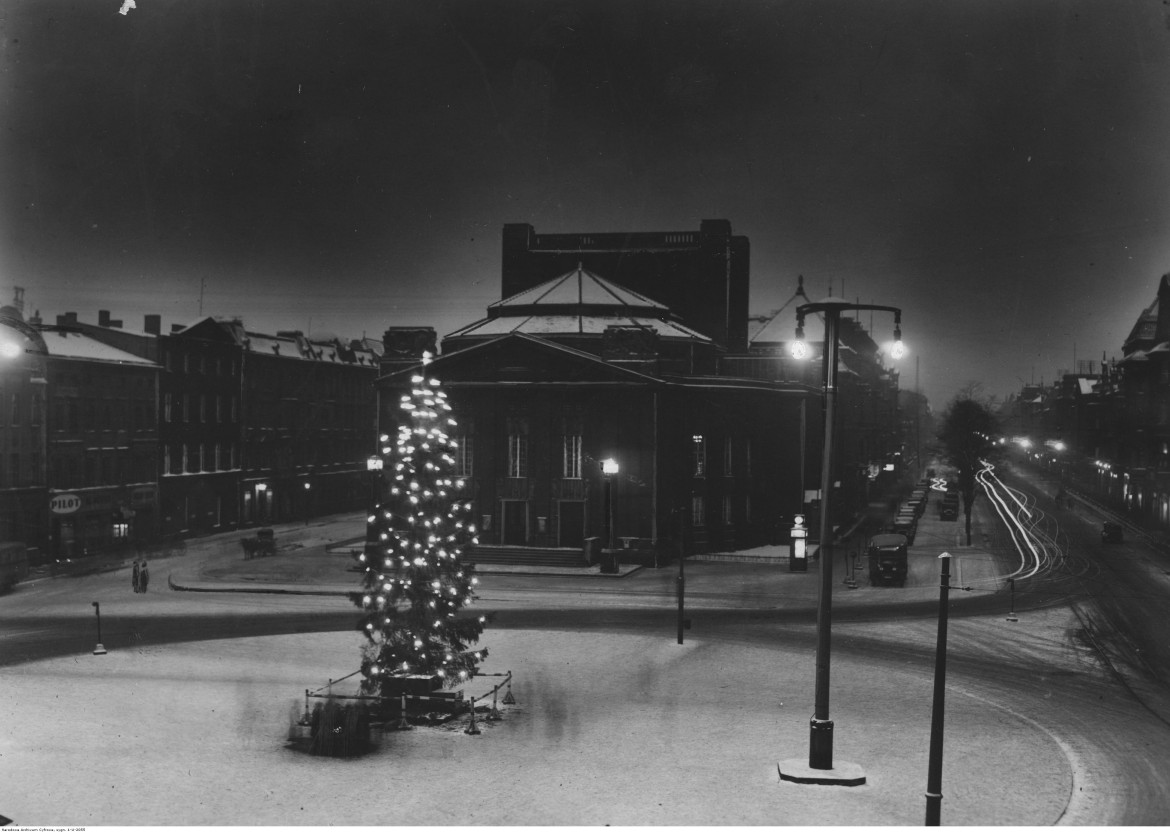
(608, 729)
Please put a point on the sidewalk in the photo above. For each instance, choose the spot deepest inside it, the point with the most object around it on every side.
(311, 561)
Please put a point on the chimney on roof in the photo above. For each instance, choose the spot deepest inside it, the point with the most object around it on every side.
(104, 320)
(67, 319)
(404, 346)
(153, 324)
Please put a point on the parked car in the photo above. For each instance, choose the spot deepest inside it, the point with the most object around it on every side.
(906, 526)
(1111, 533)
(887, 560)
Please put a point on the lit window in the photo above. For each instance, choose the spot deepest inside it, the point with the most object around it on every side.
(699, 455)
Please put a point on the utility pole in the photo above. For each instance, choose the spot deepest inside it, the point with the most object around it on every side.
(934, 765)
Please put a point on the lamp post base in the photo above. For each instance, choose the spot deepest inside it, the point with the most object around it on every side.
(843, 773)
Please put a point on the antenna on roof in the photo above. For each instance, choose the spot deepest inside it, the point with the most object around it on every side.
(767, 319)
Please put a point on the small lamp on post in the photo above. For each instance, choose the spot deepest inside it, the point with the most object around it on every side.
(797, 552)
(820, 768)
(97, 609)
(609, 467)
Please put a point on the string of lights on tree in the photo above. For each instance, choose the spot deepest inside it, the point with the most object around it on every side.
(414, 582)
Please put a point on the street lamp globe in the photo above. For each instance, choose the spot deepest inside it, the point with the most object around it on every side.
(609, 466)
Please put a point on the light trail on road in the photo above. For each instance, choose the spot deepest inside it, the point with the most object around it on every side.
(1038, 550)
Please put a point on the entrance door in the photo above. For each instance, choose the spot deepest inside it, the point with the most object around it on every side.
(571, 531)
(515, 514)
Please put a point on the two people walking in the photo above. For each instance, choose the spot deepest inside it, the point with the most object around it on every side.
(140, 576)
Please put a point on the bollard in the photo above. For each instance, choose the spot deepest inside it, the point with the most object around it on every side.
(100, 649)
(494, 714)
(509, 700)
(403, 723)
(472, 729)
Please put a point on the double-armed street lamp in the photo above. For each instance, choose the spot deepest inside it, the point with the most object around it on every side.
(820, 769)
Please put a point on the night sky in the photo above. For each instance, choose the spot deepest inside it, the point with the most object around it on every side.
(998, 169)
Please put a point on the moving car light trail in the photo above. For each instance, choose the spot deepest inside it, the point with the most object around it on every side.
(1038, 549)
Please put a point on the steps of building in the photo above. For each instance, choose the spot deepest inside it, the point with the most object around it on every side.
(528, 556)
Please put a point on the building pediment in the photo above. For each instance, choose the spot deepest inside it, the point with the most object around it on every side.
(207, 329)
(521, 359)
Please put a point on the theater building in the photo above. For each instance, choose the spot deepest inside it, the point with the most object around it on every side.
(580, 369)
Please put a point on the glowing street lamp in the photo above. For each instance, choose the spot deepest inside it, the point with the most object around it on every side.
(820, 769)
(609, 468)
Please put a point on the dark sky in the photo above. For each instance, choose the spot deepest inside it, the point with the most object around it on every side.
(998, 169)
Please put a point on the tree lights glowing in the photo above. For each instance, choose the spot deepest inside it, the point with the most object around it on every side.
(414, 584)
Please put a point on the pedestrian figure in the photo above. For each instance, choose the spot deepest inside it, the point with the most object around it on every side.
(143, 577)
(137, 577)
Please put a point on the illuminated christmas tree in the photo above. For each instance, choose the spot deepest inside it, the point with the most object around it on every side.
(415, 583)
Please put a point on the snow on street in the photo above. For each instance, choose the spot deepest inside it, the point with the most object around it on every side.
(607, 729)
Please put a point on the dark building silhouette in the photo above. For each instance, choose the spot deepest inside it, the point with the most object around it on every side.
(206, 428)
(634, 347)
(702, 276)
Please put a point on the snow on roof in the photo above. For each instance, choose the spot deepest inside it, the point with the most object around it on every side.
(309, 349)
(579, 287)
(69, 344)
(550, 325)
(1085, 386)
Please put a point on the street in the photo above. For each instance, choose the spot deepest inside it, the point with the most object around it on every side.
(1076, 678)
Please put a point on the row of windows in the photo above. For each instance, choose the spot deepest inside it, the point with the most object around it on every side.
(22, 408)
(102, 469)
(203, 365)
(699, 456)
(198, 408)
(74, 415)
(727, 510)
(336, 383)
(103, 383)
(572, 456)
(191, 458)
(22, 469)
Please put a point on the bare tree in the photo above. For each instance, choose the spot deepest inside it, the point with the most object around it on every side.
(967, 436)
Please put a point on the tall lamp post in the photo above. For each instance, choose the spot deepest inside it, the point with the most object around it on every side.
(820, 768)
